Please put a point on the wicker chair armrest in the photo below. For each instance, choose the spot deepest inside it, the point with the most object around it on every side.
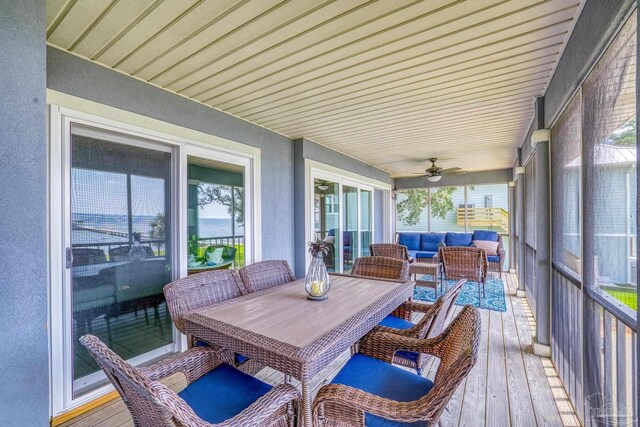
(360, 400)
(384, 345)
(416, 307)
(193, 363)
(419, 330)
(263, 408)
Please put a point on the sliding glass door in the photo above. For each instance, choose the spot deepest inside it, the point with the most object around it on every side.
(343, 217)
(131, 211)
(215, 215)
(120, 251)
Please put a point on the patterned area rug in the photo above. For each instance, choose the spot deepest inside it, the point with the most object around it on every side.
(494, 294)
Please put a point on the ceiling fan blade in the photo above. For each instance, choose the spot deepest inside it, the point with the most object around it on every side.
(420, 174)
(449, 170)
(461, 172)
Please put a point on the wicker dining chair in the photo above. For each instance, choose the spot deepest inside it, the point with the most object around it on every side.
(266, 274)
(390, 250)
(216, 395)
(368, 390)
(381, 267)
(200, 290)
(384, 268)
(469, 263)
(430, 325)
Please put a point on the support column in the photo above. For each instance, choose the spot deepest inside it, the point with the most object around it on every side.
(512, 226)
(520, 293)
(541, 342)
(24, 346)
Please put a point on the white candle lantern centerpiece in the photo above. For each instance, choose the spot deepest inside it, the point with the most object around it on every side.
(317, 282)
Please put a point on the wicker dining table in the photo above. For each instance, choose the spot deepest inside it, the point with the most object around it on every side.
(281, 328)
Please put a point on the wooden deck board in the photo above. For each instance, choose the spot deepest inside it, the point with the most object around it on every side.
(508, 386)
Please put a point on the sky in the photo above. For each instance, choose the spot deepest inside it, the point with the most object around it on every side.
(105, 193)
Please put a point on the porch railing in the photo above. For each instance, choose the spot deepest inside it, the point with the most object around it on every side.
(235, 241)
(602, 387)
(483, 217)
(158, 246)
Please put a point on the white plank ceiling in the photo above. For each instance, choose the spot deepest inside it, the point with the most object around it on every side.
(389, 82)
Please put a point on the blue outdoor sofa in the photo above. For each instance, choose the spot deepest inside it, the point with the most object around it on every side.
(424, 246)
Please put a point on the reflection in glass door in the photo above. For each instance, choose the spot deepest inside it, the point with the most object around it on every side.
(350, 243)
(366, 226)
(119, 252)
(326, 220)
(215, 216)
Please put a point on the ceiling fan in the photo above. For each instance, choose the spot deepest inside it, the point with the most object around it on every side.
(434, 173)
(322, 185)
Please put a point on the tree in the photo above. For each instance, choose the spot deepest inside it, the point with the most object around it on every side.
(416, 201)
(157, 227)
(221, 194)
(625, 135)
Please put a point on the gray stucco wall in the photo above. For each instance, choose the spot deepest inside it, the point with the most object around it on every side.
(72, 75)
(487, 177)
(307, 149)
(320, 153)
(24, 394)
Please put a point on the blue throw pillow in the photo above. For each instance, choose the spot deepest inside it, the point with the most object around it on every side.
(459, 239)
(410, 240)
(485, 235)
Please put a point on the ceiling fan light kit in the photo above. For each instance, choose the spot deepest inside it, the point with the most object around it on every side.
(434, 178)
(323, 187)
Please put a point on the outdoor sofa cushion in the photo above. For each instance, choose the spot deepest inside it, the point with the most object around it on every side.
(490, 247)
(422, 254)
(430, 241)
(410, 240)
(385, 380)
(493, 258)
(223, 393)
(485, 235)
(459, 239)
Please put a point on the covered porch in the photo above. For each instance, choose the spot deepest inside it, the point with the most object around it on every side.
(150, 143)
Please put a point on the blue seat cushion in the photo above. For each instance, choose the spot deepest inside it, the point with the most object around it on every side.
(346, 239)
(493, 258)
(430, 241)
(396, 323)
(382, 379)
(409, 355)
(223, 393)
(459, 239)
(425, 254)
(410, 240)
(489, 235)
(239, 358)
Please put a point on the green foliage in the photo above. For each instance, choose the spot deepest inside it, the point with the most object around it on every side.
(625, 135)
(157, 227)
(411, 207)
(221, 194)
(193, 246)
(417, 200)
(442, 202)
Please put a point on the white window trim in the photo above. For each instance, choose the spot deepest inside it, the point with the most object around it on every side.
(316, 170)
(65, 109)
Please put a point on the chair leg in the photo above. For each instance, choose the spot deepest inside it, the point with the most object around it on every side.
(157, 320)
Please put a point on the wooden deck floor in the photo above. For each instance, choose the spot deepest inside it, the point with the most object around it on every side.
(509, 386)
